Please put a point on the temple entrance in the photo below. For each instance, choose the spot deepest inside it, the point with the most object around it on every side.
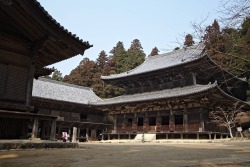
(179, 122)
(140, 121)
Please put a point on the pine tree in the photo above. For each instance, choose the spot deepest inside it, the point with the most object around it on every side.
(136, 55)
(119, 56)
(57, 75)
(154, 51)
(102, 59)
(83, 74)
(188, 40)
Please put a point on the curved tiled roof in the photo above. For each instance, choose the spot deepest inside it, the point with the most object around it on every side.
(163, 94)
(55, 90)
(163, 61)
(60, 26)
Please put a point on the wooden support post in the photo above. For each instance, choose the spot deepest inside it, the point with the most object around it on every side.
(146, 123)
(78, 133)
(209, 135)
(115, 124)
(202, 122)
(158, 122)
(214, 136)
(166, 136)
(134, 125)
(221, 137)
(53, 130)
(69, 133)
(118, 136)
(198, 136)
(108, 136)
(181, 136)
(129, 136)
(194, 78)
(30, 80)
(34, 128)
(171, 123)
(102, 134)
(87, 134)
(74, 134)
(185, 119)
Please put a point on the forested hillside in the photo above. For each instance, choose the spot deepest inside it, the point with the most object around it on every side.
(88, 72)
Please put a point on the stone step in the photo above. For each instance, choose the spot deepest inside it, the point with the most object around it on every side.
(146, 137)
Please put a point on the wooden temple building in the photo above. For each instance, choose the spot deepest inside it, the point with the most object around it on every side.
(170, 95)
(30, 40)
(70, 104)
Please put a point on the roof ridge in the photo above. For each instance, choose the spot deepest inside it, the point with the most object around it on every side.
(181, 56)
(64, 83)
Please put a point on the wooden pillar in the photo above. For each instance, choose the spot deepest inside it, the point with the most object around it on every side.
(53, 130)
(134, 126)
(129, 136)
(185, 119)
(166, 136)
(35, 128)
(171, 121)
(146, 123)
(194, 78)
(202, 122)
(214, 136)
(198, 136)
(78, 133)
(115, 124)
(74, 134)
(158, 122)
(108, 136)
(102, 134)
(87, 134)
(124, 122)
(30, 79)
(209, 134)
(69, 132)
(181, 136)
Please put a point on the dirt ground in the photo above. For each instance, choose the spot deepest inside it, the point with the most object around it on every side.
(133, 155)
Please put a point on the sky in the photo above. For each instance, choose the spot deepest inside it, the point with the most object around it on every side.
(156, 23)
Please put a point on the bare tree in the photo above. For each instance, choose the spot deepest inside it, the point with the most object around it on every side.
(226, 116)
(234, 12)
(199, 28)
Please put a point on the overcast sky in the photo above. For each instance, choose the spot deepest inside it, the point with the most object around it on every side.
(103, 23)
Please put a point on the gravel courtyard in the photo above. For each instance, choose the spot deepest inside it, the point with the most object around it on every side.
(133, 155)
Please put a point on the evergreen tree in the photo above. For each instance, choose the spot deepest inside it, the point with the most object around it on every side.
(119, 56)
(188, 40)
(136, 55)
(102, 59)
(154, 51)
(84, 74)
(229, 47)
(57, 75)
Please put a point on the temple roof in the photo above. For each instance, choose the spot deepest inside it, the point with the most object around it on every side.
(60, 91)
(26, 30)
(163, 61)
(163, 94)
